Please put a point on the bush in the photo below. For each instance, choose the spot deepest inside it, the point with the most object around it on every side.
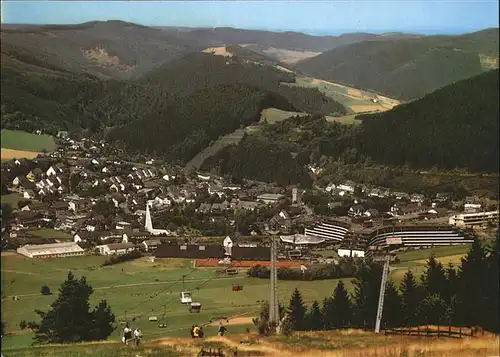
(116, 259)
(45, 290)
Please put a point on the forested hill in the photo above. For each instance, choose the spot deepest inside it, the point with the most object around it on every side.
(197, 71)
(407, 68)
(181, 129)
(456, 126)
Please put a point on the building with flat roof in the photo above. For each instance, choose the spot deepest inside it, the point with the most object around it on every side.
(473, 219)
(54, 250)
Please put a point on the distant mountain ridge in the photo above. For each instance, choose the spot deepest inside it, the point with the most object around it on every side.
(407, 68)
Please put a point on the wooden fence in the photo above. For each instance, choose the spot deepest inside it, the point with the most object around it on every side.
(216, 352)
(432, 331)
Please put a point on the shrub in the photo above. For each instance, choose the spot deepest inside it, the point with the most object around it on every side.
(45, 290)
(116, 259)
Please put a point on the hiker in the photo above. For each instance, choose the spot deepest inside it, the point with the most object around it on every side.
(196, 331)
(127, 334)
(137, 336)
(200, 332)
(222, 330)
(192, 331)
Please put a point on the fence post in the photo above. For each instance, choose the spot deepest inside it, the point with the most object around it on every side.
(418, 331)
(460, 332)
(449, 331)
(438, 331)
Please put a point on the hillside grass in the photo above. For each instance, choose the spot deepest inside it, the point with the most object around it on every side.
(11, 199)
(343, 343)
(20, 140)
(142, 288)
(273, 115)
(50, 233)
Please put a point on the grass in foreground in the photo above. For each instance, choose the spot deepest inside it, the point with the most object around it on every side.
(345, 343)
(20, 140)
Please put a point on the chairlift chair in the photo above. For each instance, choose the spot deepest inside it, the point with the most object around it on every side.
(153, 318)
(186, 297)
(194, 307)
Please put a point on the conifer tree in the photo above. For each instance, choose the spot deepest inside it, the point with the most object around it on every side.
(328, 312)
(492, 292)
(297, 311)
(410, 298)
(366, 294)
(393, 311)
(315, 318)
(433, 310)
(434, 278)
(472, 290)
(69, 319)
(342, 309)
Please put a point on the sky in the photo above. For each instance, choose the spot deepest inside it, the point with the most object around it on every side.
(315, 17)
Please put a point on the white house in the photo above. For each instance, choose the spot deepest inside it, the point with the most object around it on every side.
(115, 249)
(66, 249)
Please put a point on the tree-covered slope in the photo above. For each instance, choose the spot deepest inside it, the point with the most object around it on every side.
(405, 68)
(181, 128)
(197, 71)
(456, 126)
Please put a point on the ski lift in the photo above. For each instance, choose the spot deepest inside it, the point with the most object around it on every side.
(186, 297)
(237, 287)
(194, 307)
(153, 318)
(231, 271)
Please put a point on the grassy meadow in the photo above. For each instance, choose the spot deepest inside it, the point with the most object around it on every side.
(142, 288)
(344, 343)
(11, 199)
(20, 140)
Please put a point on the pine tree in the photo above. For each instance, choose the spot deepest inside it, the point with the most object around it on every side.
(342, 309)
(434, 278)
(103, 321)
(297, 311)
(315, 318)
(452, 283)
(433, 310)
(69, 319)
(410, 299)
(328, 312)
(472, 290)
(392, 315)
(492, 312)
(366, 294)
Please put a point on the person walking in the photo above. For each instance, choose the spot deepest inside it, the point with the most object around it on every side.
(200, 332)
(196, 331)
(192, 331)
(137, 336)
(127, 334)
(222, 330)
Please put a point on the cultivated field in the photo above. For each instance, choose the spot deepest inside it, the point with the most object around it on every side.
(143, 288)
(8, 154)
(355, 100)
(25, 142)
(273, 115)
(284, 55)
(218, 51)
(344, 343)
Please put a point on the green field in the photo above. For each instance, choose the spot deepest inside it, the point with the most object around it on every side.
(20, 140)
(11, 199)
(142, 288)
(273, 115)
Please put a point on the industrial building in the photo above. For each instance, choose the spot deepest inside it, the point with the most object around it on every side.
(54, 250)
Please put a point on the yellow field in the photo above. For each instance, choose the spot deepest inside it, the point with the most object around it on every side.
(360, 108)
(354, 92)
(218, 51)
(8, 154)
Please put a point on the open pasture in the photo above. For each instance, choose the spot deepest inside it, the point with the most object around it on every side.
(141, 288)
(273, 115)
(25, 142)
(355, 100)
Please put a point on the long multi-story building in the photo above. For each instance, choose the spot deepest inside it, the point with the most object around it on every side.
(332, 231)
(473, 219)
(414, 235)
